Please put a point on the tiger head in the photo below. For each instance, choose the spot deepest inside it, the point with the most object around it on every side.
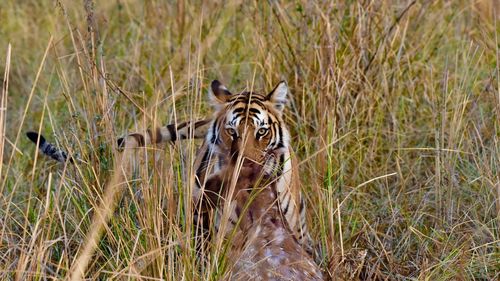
(249, 123)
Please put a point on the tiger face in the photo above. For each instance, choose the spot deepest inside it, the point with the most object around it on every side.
(249, 123)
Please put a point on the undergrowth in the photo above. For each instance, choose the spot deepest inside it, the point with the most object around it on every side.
(393, 115)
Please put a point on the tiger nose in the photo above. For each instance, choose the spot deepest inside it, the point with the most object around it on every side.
(246, 140)
(235, 148)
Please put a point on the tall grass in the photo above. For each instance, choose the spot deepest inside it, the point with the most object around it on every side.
(393, 116)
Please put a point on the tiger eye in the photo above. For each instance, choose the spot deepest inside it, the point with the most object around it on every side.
(231, 132)
(262, 131)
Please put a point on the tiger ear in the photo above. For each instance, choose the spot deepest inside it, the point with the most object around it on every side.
(278, 96)
(219, 94)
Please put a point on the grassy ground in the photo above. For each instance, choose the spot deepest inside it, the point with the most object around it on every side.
(394, 117)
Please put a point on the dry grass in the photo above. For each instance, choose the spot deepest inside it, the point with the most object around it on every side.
(394, 117)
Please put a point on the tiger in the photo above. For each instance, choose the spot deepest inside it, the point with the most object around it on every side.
(255, 120)
(262, 246)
